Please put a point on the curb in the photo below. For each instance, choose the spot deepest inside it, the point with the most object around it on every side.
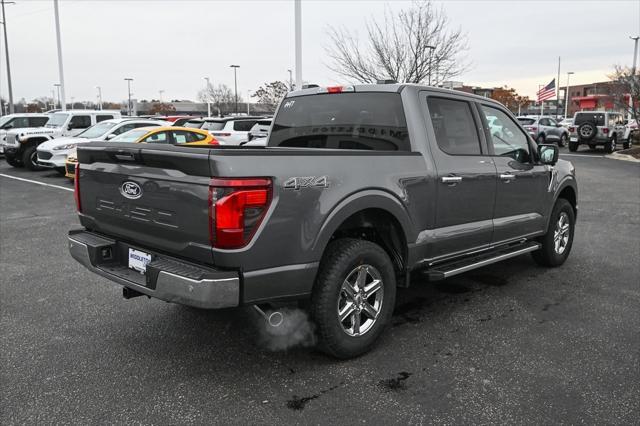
(622, 157)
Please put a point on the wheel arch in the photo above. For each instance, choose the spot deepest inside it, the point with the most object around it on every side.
(372, 215)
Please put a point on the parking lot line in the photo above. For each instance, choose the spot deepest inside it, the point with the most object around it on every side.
(36, 182)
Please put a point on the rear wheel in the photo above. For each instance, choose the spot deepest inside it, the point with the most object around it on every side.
(353, 297)
(30, 158)
(13, 161)
(557, 242)
(573, 146)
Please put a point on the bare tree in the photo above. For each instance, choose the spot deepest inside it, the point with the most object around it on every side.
(627, 84)
(412, 46)
(270, 94)
(218, 96)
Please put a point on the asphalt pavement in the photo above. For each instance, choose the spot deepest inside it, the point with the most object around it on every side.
(510, 343)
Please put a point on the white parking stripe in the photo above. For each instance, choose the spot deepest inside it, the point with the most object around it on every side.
(36, 182)
(582, 155)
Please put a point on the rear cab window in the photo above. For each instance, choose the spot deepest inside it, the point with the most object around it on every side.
(526, 121)
(454, 126)
(353, 120)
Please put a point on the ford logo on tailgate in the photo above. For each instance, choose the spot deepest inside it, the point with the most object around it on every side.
(131, 190)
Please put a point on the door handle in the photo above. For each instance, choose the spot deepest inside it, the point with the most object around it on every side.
(507, 176)
(451, 179)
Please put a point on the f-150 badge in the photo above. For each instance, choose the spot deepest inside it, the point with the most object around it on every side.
(306, 182)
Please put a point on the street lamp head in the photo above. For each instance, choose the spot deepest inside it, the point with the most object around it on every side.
(634, 38)
(570, 72)
(234, 66)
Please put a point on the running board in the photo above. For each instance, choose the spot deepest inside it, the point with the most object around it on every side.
(447, 270)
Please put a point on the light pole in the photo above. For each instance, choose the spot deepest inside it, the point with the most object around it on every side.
(248, 97)
(57, 85)
(129, 80)
(99, 97)
(633, 74)
(60, 70)
(73, 104)
(208, 96)
(298, 41)
(235, 79)
(6, 51)
(431, 48)
(161, 92)
(290, 80)
(567, 95)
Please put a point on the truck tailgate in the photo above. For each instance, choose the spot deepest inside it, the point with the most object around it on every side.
(156, 197)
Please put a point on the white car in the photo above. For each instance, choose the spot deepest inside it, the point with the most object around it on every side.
(21, 146)
(19, 121)
(53, 153)
(631, 126)
(229, 130)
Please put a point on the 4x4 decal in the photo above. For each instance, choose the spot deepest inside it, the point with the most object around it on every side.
(306, 182)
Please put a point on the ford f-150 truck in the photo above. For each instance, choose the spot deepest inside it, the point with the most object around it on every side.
(358, 188)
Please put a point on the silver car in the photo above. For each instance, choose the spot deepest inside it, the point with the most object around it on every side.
(545, 130)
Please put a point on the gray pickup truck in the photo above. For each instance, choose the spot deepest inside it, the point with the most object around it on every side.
(358, 188)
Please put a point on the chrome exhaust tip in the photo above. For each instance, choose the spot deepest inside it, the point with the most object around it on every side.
(274, 319)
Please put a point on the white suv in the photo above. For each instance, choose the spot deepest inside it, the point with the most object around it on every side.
(595, 128)
(19, 121)
(21, 145)
(53, 153)
(229, 130)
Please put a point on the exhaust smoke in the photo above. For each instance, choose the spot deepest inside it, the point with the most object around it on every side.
(285, 329)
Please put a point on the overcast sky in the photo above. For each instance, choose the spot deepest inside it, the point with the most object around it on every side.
(172, 45)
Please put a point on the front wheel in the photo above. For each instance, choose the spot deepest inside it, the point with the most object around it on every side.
(627, 144)
(611, 146)
(557, 242)
(30, 158)
(353, 297)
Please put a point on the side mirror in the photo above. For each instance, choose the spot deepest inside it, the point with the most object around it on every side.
(7, 126)
(70, 126)
(110, 136)
(548, 154)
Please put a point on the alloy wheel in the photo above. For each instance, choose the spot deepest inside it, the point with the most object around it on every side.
(360, 300)
(561, 233)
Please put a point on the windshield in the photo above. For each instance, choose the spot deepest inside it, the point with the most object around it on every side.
(57, 119)
(526, 121)
(97, 130)
(130, 136)
(213, 125)
(369, 121)
(4, 120)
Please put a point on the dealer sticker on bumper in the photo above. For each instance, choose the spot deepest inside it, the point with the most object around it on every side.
(138, 260)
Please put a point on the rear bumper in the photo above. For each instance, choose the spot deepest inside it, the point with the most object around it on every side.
(167, 278)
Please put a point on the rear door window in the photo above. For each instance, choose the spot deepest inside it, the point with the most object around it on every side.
(80, 121)
(20, 122)
(367, 121)
(100, 118)
(181, 136)
(454, 126)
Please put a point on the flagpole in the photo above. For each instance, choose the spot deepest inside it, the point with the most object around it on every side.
(542, 101)
(558, 89)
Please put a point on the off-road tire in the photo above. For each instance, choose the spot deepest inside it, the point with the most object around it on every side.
(340, 259)
(30, 155)
(12, 161)
(592, 134)
(627, 143)
(546, 255)
(573, 146)
(611, 145)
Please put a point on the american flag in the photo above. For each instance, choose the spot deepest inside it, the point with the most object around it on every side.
(547, 92)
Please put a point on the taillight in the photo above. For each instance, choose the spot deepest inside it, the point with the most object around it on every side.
(336, 89)
(214, 141)
(605, 130)
(236, 209)
(572, 129)
(76, 188)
